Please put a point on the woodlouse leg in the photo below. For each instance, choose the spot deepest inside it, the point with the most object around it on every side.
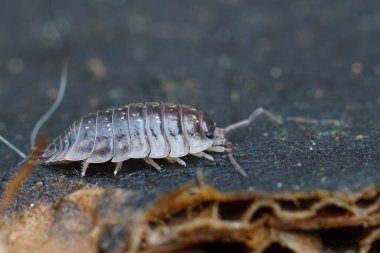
(204, 155)
(176, 160)
(230, 153)
(219, 149)
(84, 168)
(150, 161)
(246, 122)
(117, 168)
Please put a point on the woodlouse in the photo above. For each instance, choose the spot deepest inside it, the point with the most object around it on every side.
(144, 130)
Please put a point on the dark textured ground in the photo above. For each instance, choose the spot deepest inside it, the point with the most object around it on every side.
(318, 60)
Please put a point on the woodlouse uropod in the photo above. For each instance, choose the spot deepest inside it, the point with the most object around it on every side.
(144, 130)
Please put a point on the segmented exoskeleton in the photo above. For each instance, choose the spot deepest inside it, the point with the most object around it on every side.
(143, 130)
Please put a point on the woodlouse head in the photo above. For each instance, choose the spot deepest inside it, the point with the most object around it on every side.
(219, 138)
(208, 126)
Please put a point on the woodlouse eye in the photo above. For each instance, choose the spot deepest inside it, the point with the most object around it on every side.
(210, 135)
(208, 126)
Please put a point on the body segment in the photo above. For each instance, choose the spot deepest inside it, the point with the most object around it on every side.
(122, 139)
(174, 130)
(137, 129)
(156, 135)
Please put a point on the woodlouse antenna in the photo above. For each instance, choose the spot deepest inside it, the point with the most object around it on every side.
(241, 124)
(230, 152)
(252, 117)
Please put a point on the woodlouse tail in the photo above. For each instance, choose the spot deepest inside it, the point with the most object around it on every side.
(13, 147)
(53, 108)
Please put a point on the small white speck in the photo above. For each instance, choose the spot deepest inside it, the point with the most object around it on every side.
(299, 164)
(66, 141)
(275, 72)
(3, 126)
(251, 188)
(224, 62)
(15, 65)
(376, 69)
(279, 185)
(89, 121)
(109, 129)
(108, 125)
(122, 117)
(87, 127)
(357, 67)
(107, 111)
(31, 205)
(311, 148)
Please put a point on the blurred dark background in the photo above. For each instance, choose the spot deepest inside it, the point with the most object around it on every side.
(316, 63)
